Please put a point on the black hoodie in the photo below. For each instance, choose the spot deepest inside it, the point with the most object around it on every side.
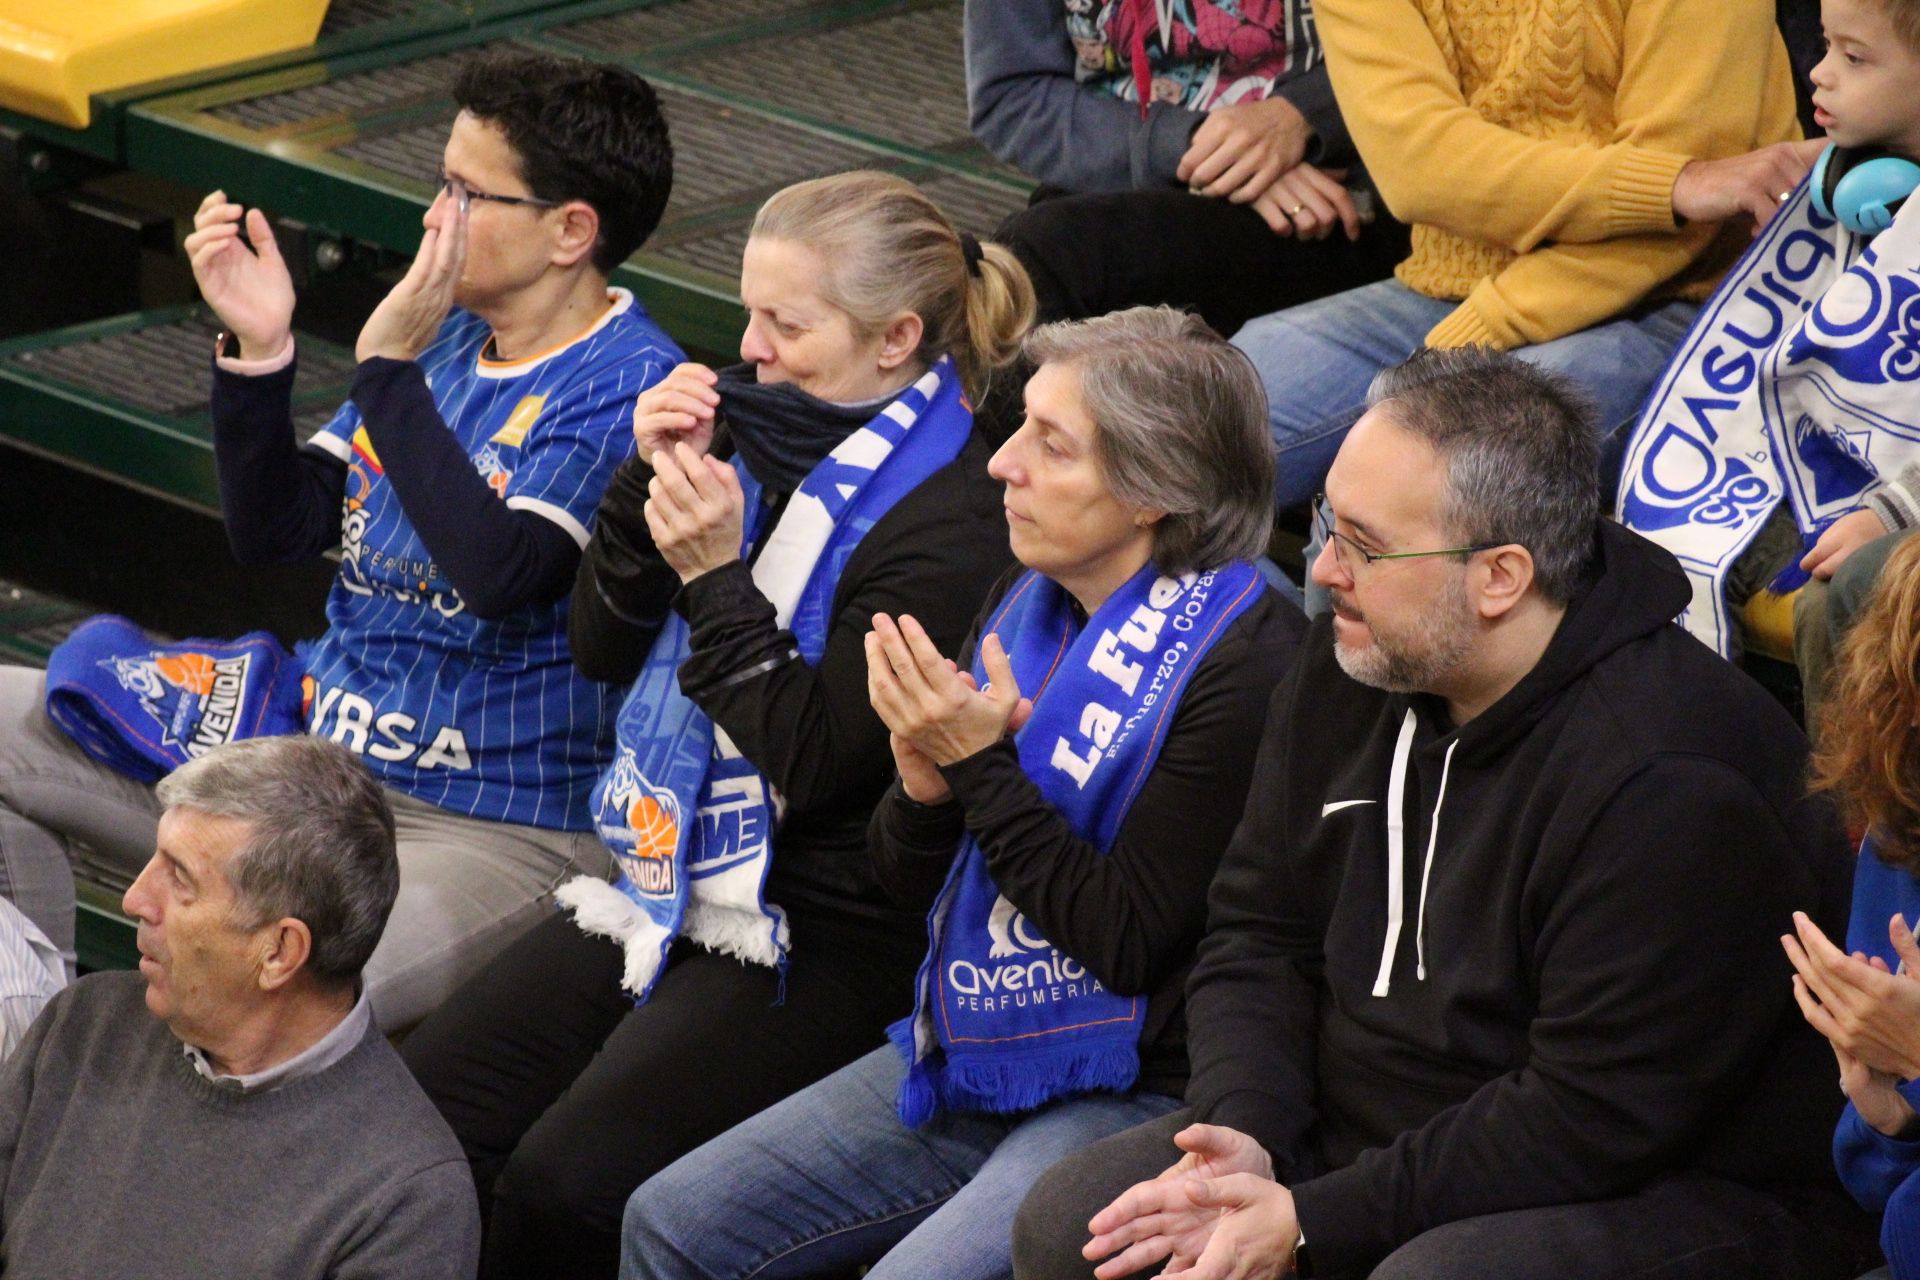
(1580, 985)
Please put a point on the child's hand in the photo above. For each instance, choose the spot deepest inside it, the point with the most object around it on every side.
(1841, 539)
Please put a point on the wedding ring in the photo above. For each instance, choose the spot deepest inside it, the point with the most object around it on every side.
(1783, 197)
(1294, 212)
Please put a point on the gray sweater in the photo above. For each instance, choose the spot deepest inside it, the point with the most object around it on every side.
(118, 1160)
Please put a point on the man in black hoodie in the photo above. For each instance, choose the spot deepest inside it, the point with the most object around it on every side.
(1492, 984)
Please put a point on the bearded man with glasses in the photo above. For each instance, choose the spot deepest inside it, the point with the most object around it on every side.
(1490, 986)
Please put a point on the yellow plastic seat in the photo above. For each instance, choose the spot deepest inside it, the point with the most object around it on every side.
(1769, 624)
(56, 54)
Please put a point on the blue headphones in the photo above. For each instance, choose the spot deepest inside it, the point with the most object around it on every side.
(1862, 187)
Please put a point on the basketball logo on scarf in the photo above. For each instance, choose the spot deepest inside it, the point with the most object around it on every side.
(645, 845)
(195, 698)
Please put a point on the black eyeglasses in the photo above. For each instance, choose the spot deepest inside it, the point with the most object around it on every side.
(1344, 547)
(459, 190)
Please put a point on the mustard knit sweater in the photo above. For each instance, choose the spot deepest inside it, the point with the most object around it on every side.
(1533, 144)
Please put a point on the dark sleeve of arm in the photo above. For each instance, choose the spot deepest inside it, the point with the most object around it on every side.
(281, 503)
(1025, 105)
(497, 558)
(1660, 992)
(1253, 994)
(811, 729)
(624, 587)
(1311, 93)
(1129, 916)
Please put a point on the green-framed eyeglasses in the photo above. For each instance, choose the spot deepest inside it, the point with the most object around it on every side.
(1345, 547)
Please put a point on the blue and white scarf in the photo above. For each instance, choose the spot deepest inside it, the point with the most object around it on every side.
(1800, 379)
(689, 819)
(1003, 1020)
(144, 708)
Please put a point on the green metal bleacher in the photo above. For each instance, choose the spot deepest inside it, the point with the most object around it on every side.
(344, 140)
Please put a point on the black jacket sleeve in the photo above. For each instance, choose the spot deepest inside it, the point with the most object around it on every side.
(624, 587)
(810, 729)
(1130, 915)
(281, 503)
(497, 558)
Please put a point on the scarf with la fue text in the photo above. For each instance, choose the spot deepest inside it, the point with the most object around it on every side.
(689, 819)
(1800, 380)
(144, 708)
(1003, 1020)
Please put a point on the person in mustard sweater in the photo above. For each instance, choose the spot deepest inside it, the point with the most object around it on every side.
(1577, 174)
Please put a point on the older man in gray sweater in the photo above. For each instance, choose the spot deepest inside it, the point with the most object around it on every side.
(230, 1109)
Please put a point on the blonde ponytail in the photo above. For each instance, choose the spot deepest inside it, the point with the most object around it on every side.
(888, 249)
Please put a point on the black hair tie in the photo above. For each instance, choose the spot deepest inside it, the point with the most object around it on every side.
(971, 251)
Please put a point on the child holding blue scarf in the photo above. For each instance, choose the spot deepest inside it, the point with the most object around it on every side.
(1066, 788)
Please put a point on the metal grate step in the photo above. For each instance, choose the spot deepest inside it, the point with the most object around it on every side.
(380, 89)
(898, 75)
(621, 35)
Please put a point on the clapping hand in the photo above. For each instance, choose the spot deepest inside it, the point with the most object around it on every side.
(1214, 1213)
(1865, 1011)
(249, 289)
(695, 511)
(678, 408)
(405, 322)
(932, 707)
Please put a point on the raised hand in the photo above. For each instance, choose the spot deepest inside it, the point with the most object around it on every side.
(920, 696)
(678, 409)
(250, 290)
(1861, 1008)
(405, 322)
(695, 510)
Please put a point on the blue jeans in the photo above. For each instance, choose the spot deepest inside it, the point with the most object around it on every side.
(830, 1178)
(1318, 359)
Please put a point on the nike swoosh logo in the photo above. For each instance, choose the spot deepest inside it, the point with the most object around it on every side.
(1338, 805)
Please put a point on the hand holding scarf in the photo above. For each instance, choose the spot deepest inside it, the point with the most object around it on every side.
(695, 511)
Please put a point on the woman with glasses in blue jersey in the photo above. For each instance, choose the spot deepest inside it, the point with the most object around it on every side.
(745, 947)
(490, 408)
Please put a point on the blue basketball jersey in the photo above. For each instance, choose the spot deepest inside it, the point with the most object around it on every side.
(483, 718)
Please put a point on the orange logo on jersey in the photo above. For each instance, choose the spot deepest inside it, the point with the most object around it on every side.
(363, 450)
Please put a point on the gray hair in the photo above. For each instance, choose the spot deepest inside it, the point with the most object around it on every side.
(320, 848)
(1520, 449)
(1182, 422)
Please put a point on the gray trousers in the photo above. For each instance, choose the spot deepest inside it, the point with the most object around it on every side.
(467, 886)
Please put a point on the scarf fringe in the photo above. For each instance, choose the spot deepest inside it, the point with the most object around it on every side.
(1007, 1085)
(735, 931)
(602, 910)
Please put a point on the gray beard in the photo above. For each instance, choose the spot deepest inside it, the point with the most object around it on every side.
(1440, 643)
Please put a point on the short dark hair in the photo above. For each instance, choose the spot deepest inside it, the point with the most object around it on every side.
(582, 130)
(320, 845)
(1521, 453)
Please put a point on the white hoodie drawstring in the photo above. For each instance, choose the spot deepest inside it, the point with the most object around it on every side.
(1426, 868)
(1396, 851)
(1397, 858)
